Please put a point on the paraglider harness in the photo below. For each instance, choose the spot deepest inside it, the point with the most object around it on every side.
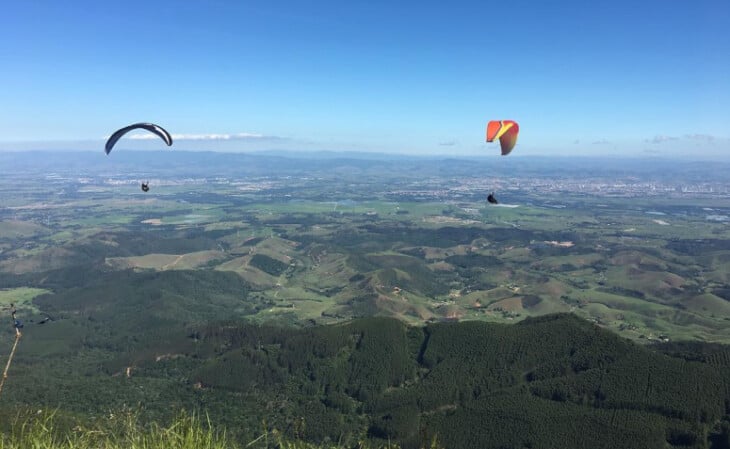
(492, 199)
(17, 324)
(145, 186)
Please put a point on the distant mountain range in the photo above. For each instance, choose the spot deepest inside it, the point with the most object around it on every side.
(272, 163)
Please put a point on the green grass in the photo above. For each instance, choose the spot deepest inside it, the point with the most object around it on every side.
(22, 297)
(20, 230)
(187, 261)
(415, 210)
(44, 430)
(103, 220)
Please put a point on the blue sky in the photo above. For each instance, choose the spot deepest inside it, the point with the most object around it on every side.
(643, 77)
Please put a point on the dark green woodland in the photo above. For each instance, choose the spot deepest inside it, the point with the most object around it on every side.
(553, 381)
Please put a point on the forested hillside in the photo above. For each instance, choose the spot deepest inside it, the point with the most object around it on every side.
(551, 382)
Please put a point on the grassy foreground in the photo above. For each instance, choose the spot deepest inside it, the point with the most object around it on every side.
(46, 431)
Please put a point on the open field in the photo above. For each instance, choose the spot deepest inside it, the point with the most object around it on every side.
(21, 297)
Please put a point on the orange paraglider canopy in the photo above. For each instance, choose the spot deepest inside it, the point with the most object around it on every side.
(504, 130)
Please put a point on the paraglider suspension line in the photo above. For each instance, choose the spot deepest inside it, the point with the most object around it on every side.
(10, 359)
(17, 325)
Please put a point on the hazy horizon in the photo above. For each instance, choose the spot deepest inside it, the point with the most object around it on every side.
(150, 147)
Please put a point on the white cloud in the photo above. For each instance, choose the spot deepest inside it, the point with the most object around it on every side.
(661, 139)
(602, 142)
(237, 136)
(705, 137)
